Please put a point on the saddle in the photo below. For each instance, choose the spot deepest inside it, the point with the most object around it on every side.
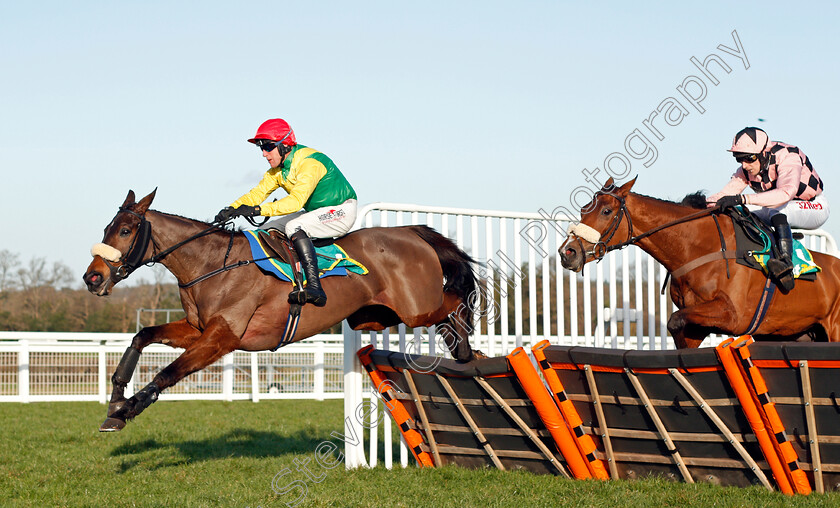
(275, 255)
(280, 245)
(277, 244)
(756, 242)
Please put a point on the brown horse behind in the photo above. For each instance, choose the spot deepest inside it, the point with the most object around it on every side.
(417, 277)
(708, 300)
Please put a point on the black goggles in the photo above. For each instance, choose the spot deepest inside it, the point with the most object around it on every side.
(267, 145)
(745, 157)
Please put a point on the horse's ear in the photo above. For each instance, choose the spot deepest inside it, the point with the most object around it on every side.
(129, 199)
(625, 189)
(144, 203)
(609, 185)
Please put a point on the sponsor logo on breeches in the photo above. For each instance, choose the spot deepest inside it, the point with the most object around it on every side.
(330, 216)
(806, 205)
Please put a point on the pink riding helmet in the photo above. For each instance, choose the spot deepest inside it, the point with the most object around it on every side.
(750, 140)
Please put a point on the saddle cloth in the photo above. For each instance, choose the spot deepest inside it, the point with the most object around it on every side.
(332, 260)
(755, 237)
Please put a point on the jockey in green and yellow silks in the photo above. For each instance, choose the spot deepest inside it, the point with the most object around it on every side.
(321, 202)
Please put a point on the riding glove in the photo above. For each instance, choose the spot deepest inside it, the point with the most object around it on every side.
(225, 214)
(246, 211)
(730, 201)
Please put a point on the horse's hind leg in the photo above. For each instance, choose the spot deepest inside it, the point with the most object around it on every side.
(456, 330)
(216, 341)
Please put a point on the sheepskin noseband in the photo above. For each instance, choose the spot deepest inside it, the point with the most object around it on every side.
(107, 252)
(585, 232)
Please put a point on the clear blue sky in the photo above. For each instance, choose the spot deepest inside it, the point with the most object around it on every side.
(492, 105)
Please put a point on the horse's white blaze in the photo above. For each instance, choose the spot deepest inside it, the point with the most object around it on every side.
(107, 252)
(587, 233)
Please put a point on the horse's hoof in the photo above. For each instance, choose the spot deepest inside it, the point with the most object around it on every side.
(112, 425)
(478, 355)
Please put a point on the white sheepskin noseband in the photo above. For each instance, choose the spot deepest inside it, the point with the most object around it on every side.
(585, 232)
(107, 252)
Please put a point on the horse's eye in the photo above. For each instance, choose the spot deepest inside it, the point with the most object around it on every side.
(606, 211)
(125, 232)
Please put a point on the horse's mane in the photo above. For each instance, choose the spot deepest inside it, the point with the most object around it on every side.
(696, 200)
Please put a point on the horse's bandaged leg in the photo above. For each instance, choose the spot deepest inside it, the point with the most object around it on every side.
(585, 232)
(126, 367)
(106, 252)
(145, 398)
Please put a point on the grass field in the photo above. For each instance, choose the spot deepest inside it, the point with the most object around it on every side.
(228, 453)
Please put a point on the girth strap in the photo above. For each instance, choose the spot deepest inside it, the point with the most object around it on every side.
(702, 260)
(763, 305)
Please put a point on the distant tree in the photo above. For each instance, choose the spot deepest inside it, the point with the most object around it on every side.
(9, 264)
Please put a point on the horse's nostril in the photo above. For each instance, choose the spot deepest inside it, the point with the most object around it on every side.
(92, 278)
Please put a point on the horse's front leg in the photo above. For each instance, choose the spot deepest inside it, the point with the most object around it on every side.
(215, 341)
(179, 334)
(690, 326)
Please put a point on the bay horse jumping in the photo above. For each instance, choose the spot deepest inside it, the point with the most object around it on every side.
(416, 276)
(708, 300)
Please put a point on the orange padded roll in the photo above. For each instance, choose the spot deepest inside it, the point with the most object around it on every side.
(549, 414)
(790, 462)
(567, 409)
(398, 412)
(754, 416)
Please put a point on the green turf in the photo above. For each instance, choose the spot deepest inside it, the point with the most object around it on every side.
(227, 454)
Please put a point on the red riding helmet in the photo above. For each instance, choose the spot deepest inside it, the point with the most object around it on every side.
(750, 140)
(275, 129)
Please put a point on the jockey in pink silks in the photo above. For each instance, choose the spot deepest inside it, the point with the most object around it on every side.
(788, 192)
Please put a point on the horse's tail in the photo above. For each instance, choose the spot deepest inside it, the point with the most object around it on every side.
(457, 268)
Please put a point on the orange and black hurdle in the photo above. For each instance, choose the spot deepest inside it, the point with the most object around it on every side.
(397, 410)
(698, 415)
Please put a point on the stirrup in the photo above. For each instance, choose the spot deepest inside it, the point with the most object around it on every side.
(782, 274)
(302, 297)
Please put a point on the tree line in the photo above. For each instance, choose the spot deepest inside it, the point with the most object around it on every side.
(38, 296)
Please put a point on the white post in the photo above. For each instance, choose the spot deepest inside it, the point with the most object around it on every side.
(387, 427)
(23, 371)
(319, 371)
(255, 377)
(102, 375)
(373, 429)
(353, 432)
(227, 377)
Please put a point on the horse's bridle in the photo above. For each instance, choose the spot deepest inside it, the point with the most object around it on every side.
(600, 247)
(136, 249)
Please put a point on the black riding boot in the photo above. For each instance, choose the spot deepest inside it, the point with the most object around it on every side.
(306, 252)
(781, 268)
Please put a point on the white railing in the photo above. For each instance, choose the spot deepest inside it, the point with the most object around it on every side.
(616, 303)
(78, 366)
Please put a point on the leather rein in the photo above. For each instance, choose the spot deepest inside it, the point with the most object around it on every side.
(140, 243)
